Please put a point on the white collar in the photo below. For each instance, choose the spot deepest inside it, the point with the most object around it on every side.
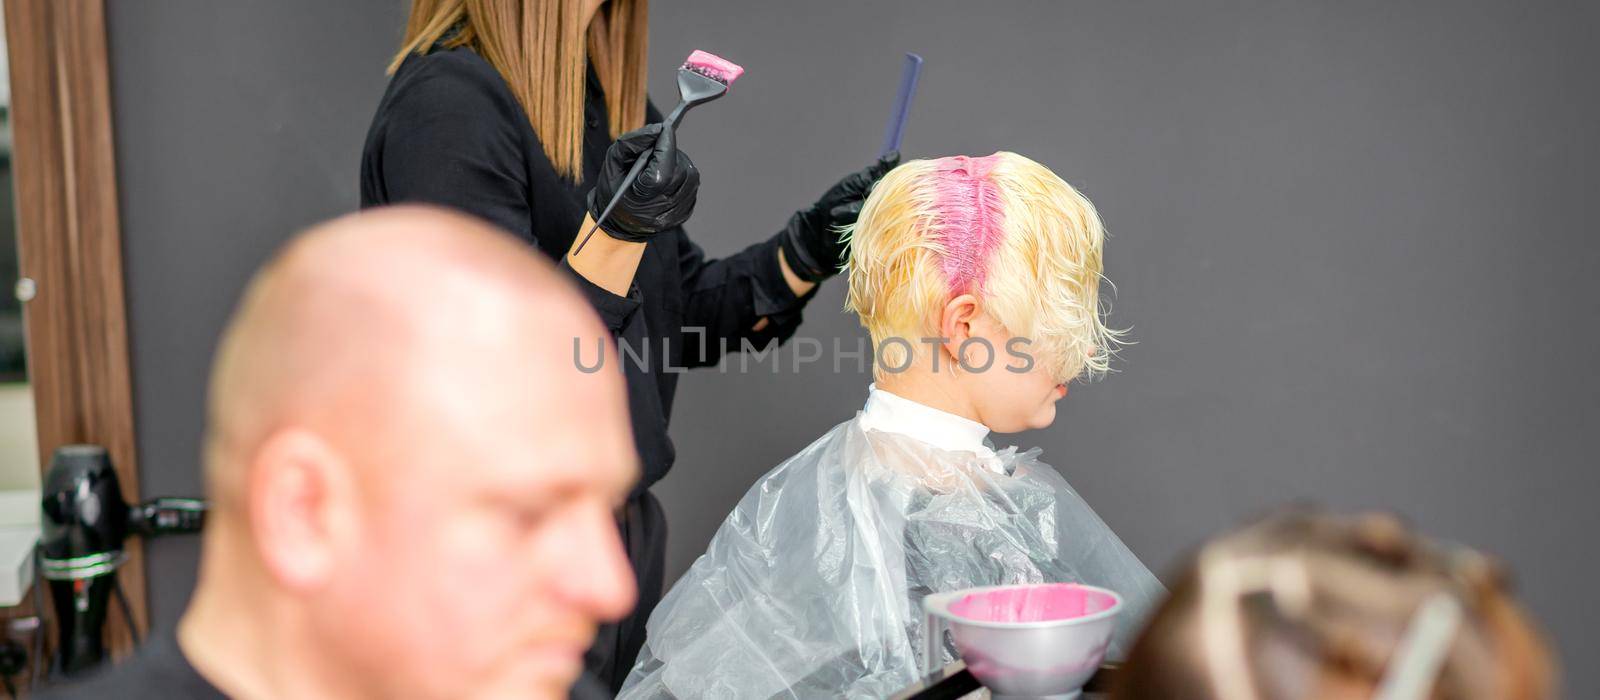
(947, 431)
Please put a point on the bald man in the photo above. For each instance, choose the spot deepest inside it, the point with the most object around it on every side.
(411, 481)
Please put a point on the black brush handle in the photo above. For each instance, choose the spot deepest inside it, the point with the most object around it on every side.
(671, 122)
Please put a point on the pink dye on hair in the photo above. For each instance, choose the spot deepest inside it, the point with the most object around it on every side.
(713, 66)
(968, 219)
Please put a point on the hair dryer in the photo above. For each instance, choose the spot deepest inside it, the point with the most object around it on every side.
(85, 523)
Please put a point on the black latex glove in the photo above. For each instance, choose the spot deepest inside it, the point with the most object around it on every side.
(811, 242)
(663, 195)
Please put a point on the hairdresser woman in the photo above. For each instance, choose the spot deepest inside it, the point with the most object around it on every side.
(528, 113)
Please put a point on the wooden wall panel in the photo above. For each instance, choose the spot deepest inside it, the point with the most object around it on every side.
(71, 245)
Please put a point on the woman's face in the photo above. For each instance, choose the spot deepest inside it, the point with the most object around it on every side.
(1010, 386)
(1017, 390)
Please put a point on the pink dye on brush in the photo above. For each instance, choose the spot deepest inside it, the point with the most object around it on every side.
(713, 66)
(968, 223)
(1042, 603)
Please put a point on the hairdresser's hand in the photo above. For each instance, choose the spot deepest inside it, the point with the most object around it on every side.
(811, 242)
(662, 197)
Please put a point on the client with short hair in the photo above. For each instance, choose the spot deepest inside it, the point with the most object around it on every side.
(978, 279)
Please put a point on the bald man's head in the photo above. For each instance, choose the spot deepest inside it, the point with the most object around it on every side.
(332, 329)
(399, 433)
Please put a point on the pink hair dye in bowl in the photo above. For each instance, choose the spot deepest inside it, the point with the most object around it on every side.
(1042, 603)
(1026, 640)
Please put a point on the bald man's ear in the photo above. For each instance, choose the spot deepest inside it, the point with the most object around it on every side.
(300, 497)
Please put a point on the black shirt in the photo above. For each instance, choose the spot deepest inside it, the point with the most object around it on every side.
(448, 131)
(159, 671)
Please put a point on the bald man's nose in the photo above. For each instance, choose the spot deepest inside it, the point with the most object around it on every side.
(598, 578)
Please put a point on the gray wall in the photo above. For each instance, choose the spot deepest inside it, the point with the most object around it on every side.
(1352, 240)
(236, 123)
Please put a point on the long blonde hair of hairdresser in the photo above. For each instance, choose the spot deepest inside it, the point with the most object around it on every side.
(1041, 279)
(540, 50)
(1312, 605)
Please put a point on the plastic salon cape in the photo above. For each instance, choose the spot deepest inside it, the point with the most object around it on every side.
(813, 585)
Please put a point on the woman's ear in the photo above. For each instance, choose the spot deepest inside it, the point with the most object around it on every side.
(955, 321)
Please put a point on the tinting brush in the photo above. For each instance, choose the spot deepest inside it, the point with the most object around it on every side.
(702, 78)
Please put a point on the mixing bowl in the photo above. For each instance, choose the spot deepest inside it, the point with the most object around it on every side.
(1036, 640)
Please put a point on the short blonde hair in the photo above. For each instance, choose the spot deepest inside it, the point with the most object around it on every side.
(1002, 228)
